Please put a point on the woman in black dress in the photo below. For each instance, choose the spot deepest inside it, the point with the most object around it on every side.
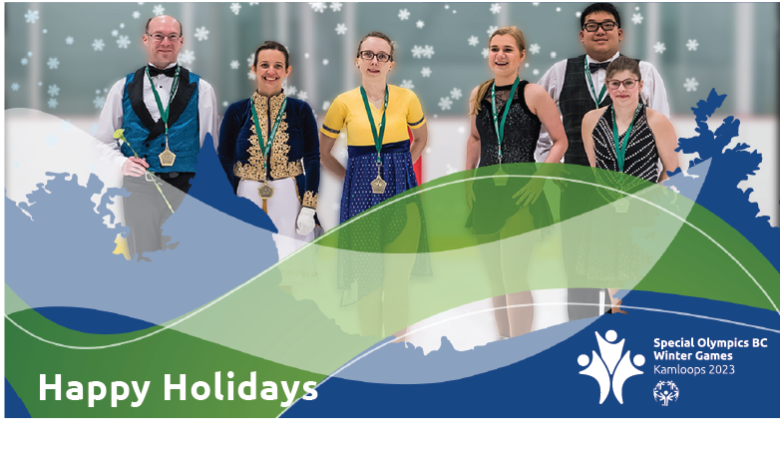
(627, 138)
(506, 133)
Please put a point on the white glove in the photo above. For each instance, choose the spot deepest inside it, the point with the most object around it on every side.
(305, 222)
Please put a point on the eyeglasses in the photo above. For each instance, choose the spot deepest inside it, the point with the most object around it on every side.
(159, 37)
(382, 57)
(594, 26)
(615, 84)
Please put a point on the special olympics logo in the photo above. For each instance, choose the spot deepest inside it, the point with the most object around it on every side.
(609, 369)
(666, 391)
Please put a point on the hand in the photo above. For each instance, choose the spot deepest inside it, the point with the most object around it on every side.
(134, 167)
(470, 197)
(530, 192)
(562, 184)
(305, 222)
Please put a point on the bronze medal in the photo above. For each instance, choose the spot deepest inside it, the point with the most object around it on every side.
(265, 191)
(167, 157)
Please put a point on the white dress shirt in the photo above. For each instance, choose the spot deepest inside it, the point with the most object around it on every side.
(112, 114)
(653, 92)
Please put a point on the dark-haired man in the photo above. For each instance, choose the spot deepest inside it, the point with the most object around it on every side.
(577, 86)
(166, 112)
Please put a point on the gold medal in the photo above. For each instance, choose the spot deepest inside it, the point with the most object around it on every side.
(167, 157)
(265, 191)
(621, 205)
(378, 185)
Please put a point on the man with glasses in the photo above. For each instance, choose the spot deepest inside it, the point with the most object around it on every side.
(166, 112)
(577, 86)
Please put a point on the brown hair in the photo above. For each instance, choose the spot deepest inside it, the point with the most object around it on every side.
(517, 34)
(273, 45)
(624, 63)
(379, 35)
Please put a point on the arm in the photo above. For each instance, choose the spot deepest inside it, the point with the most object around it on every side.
(588, 123)
(226, 150)
(420, 139)
(207, 113)
(551, 82)
(327, 159)
(542, 105)
(474, 144)
(665, 141)
(111, 119)
(311, 157)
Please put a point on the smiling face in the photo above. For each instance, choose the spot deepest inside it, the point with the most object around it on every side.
(374, 69)
(271, 70)
(505, 57)
(163, 53)
(601, 45)
(622, 96)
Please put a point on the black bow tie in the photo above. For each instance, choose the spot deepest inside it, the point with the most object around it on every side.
(170, 72)
(596, 66)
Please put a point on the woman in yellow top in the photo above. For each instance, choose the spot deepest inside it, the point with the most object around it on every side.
(376, 116)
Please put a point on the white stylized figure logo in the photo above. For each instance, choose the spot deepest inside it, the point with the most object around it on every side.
(609, 369)
(666, 391)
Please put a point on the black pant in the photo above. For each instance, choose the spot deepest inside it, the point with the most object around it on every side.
(146, 210)
(575, 201)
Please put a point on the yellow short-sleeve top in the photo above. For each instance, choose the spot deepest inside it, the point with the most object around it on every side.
(403, 109)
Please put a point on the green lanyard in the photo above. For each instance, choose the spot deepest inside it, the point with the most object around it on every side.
(620, 148)
(266, 148)
(164, 112)
(500, 129)
(377, 137)
(600, 97)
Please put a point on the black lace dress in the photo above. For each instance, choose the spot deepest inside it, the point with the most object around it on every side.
(494, 203)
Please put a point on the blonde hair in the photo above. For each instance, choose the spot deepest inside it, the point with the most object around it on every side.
(517, 34)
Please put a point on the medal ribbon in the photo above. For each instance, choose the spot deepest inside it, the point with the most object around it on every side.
(500, 129)
(620, 148)
(164, 112)
(600, 97)
(377, 137)
(266, 148)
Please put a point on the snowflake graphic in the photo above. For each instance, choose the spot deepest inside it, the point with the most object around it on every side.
(335, 6)
(235, 7)
(136, 14)
(534, 48)
(201, 34)
(491, 29)
(535, 72)
(473, 40)
(54, 90)
(31, 16)
(318, 6)
(291, 91)
(114, 33)
(577, 14)
(51, 140)
(659, 47)
(123, 42)
(426, 72)
(417, 51)
(495, 8)
(251, 59)
(692, 44)
(15, 86)
(24, 61)
(428, 52)
(52, 103)
(403, 14)
(234, 64)
(691, 84)
(186, 57)
(69, 40)
(558, 10)
(407, 84)
(325, 62)
(456, 93)
(326, 106)
(445, 104)
(53, 63)
(251, 75)
(553, 54)
(98, 44)
(121, 25)
(341, 29)
(637, 18)
(485, 52)
(303, 96)
(158, 10)
(99, 101)
(420, 24)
